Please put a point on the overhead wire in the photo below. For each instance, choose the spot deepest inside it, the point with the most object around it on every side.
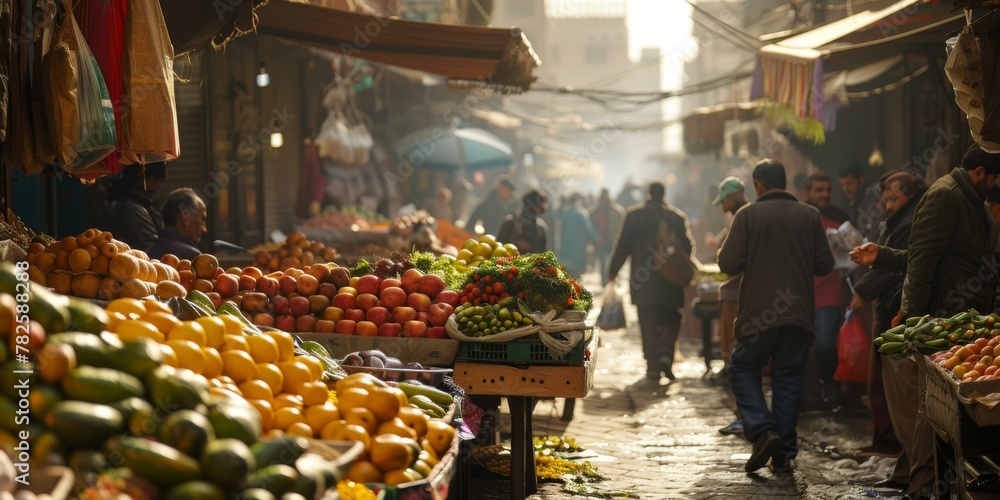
(726, 26)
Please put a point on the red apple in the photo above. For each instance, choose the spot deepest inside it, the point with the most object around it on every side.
(368, 284)
(287, 284)
(268, 286)
(318, 304)
(187, 280)
(423, 316)
(327, 289)
(306, 323)
(410, 281)
(216, 298)
(334, 314)
(263, 319)
(218, 272)
(449, 297)
(285, 323)
(354, 315)
(344, 301)
(345, 327)
(431, 285)
(325, 326)
(246, 282)
(340, 277)
(279, 304)
(377, 315)
(348, 290)
(386, 283)
(437, 332)
(438, 314)
(418, 301)
(298, 306)
(403, 314)
(393, 297)
(414, 329)
(390, 330)
(366, 301)
(227, 285)
(366, 329)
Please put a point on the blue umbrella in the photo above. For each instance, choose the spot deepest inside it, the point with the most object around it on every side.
(449, 148)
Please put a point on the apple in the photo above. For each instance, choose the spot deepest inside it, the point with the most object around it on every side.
(438, 314)
(366, 329)
(231, 270)
(203, 285)
(35, 339)
(254, 302)
(449, 297)
(345, 327)
(216, 298)
(366, 301)
(246, 282)
(287, 284)
(299, 306)
(334, 314)
(414, 329)
(325, 326)
(263, 319)
(187, 279)
(418, 301)
(348, 289)
(390, 330)
(227, 284)
(308, 285)
(386, 283)
(410, 281)
(318, 304)
(340, 277)
(368, 284)
(378, 315)
(437, 332)
(319, 271)
(328, 290)
(354, 315)
(344, 301)
(285, 323)
(393, 297)
(279, 304)
(403, 314)
(268, 286)
(431, 285)
(305, 323)
(423, 316)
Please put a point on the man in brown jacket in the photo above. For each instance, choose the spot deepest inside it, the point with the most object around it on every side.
(779, 244)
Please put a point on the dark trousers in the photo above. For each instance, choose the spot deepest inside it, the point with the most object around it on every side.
(660, 324)
(915, 465)
(828, 321)
(786, 348)
(883, 434)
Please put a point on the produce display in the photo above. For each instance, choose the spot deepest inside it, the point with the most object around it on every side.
(95, 265)
(928, 335)
(537, 279)
(296, 252)
(486, 320)
(403, 226)
(350, 217)
(476, 251)
(972, 362)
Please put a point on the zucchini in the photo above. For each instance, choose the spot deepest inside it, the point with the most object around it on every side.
(893, 337)
(440, 398)
(897, 329)
(198, 298)
(891, 348)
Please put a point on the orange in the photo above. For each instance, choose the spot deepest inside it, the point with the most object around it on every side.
(383, 403)
(318, 416)
(272, 375)
(285, 417)
(155, 305)
(266, 412)
(352, 432)
(285, 342)
(232, 325)
(299, 429)
(164, 322)
(215, 329)
(273, 434)
(256, 389)
(126, 306)
(296, 374)
(114, 319)
(238, 365)
(354, 397)
(315, 367)
(79, 260)
(132, 329)
(213, 363)
(263, 348)
(363, 471)
(169, 356)
(414, 419)
(189, 355)
(287, 401)
(225, 380)
(235, 343)
(314, 393)
(330, 429)
(439, 436)
(363, 417)
(398, 427)
(188, 330)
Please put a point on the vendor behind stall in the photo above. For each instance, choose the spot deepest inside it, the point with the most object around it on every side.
(131, 217)
(184, 215)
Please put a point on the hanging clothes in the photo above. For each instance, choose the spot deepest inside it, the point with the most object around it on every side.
(6, 52)
(312, 183)
(19, 146)
(103, 25)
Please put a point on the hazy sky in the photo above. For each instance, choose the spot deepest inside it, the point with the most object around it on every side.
(665, 24)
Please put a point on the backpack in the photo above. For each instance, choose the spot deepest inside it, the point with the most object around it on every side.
(674, 266)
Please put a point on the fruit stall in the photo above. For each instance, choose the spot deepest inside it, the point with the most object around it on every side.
(179, 379)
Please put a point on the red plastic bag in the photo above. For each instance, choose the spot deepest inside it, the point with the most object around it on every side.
(853, 349)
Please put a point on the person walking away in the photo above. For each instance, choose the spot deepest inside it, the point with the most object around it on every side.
(606, 216)
(866, 209)
(658, 301)
(953, 243)
(491, 211)
(525, 228)
(816, 191)
(184, 215)
(902, 192)
(440, 206)
(575, 232)
(778, 244)
(131, 216)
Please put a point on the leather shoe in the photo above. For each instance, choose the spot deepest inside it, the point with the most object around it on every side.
(889, 483)
(734, 427)
(765, 446)
(782, 466)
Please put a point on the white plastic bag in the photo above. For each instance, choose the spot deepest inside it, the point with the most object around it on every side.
(570, 326)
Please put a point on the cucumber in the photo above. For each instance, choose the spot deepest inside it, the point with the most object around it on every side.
(158, 463)
(938, 343)
(439, 398)
(893, 337)
(83, 425)
(897, 329)
(198, 298)
(891, 348)
(426, 405)
(101, 385)
(912, 321)
(231, 309)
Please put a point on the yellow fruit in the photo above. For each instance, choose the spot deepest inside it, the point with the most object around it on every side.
(156, 306)
(114, 319)
(188, 330)
(213, 363)
(469, 244)
(464, 255)
(499, 252)
(398, 427)
(363, 471)
(315, 367)
(314, 393)
(439, 435)
(266, 412)
(285, 342)
(352, 432)
(488, 239)
(354, 397)
(132, 329)
(232, 325)
(299, 429)
(215, 329)
(256, 389)
(296, 374)
(389, 452)
(512, 249)
(272, 375)
(235, 343)
(164, 322)
(169, 356)
(399, 476)
(330, 429)
(414, 419)
(126, 306)
(383, 403)
(318, 416)
(238, 365)
(189, 355)
(363, 417)
(286, 400)
(263, 348)
(285, 417)
(482, 250)
(359, 380)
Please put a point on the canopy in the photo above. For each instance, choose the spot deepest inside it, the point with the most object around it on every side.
(452, 148)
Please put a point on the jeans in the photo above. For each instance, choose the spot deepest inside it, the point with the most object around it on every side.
(828, 322)
(787, 349)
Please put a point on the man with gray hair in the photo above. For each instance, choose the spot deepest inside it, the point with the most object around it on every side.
(184, 215)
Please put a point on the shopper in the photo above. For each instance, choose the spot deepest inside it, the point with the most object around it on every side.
(575, 233)
(491, 211)
(606, 216)
(440, 206)
(525, 229)
(658, 301)
(866, 209)
(779, 244)
(131, 216)
(950, 253)
(816, 191)
(184, 215)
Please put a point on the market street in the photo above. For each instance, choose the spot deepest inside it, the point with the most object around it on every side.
(663, 442)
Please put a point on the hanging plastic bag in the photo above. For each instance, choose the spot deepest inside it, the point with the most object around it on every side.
(61, 93)
(853, 350)
(612, 315)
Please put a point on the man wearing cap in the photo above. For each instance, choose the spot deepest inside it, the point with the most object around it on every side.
(950, 266)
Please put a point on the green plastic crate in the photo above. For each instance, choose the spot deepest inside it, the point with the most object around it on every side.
(527, 350)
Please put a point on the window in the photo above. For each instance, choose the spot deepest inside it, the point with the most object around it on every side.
(595, 55)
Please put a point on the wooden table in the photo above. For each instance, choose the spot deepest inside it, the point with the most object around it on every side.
(521, 385)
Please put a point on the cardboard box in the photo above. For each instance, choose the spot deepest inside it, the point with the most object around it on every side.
(428, 352)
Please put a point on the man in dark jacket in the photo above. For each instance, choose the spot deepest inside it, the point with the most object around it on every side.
(902, 193)
(184, 215)
(525, 229)
(491, 211)
(779, 244)
(657, 300)
(131, 216)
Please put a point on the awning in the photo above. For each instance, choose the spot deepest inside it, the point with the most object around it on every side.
(502, 58)
(704, 128)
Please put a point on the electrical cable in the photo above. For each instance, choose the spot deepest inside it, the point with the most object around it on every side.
(738, 33)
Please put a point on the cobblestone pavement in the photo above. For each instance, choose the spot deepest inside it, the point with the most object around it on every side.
(662, 441)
